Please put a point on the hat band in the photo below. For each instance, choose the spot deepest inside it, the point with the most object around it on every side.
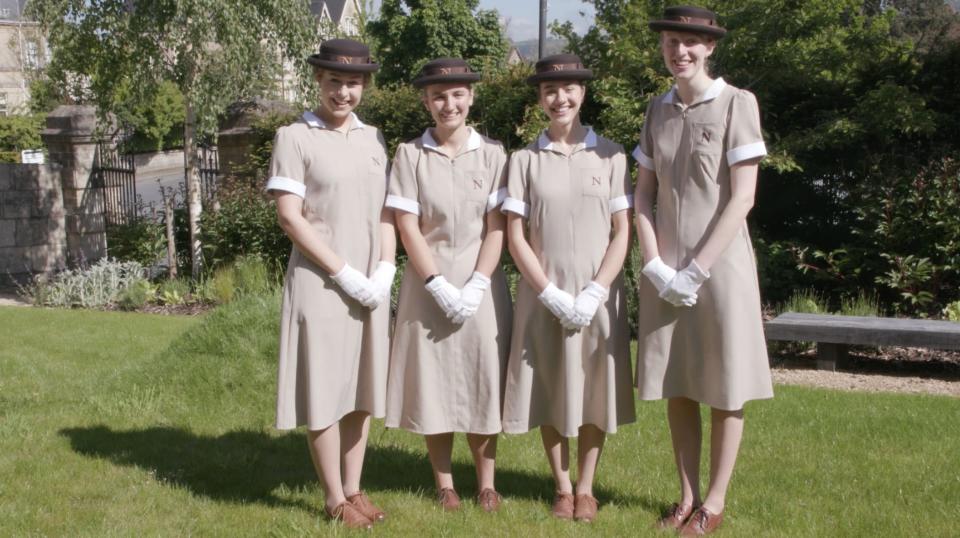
(340, 59)
(692, 20)
(462, 70)
(561, 67)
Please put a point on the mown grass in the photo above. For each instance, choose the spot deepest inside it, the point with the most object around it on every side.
(129, 424)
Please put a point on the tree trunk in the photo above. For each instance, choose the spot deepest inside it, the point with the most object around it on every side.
(194, 205)
(168, 201)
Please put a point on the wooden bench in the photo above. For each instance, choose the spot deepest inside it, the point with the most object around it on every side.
(834, 334)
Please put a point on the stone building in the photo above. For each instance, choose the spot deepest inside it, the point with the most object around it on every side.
(23, 52)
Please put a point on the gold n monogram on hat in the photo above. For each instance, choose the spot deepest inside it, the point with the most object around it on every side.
(560, 67)
(691, 19)
(445, 71)
(344, 55)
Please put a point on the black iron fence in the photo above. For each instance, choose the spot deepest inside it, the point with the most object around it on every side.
(208, 166)
(115, 173)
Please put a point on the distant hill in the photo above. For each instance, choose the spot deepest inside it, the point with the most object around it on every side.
(528, 48)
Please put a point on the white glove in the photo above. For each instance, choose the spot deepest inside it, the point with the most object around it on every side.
(659, 273)
(560, 303)
(382, 280)
(357, 285)
(587, 303)
(682, 290)
(445, 294)
(471, 296)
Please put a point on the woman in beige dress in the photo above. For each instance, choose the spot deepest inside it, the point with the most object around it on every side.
(453, 322)
(701, 334)
(328, 175)
(568, 223)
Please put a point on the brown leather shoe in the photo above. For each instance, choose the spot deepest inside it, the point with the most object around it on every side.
(585, 508)
(351, 518)
(449, 499)
(489, 500)
(701, 522)
(362, 503)
(562, 506)
(675, 517)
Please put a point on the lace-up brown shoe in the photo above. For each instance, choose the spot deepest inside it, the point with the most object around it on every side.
(347, 514)
(362, 503)
(562, 506)
(701, 522)
(449, 499)
(489, 500)
(585, 508)
(675, 517)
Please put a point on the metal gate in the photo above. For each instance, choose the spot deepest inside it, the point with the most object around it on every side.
(208, 166)
(116, 175)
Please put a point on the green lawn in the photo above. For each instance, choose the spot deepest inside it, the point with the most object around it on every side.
(128, 424)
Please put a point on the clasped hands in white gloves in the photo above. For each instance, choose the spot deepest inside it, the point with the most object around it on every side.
(361, 288)
(382, 280)
(678, 288)
(457, 304)
(573, 313)
(471, 296)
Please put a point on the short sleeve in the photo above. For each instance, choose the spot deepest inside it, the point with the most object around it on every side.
(744, 138)
(498, 172)
(286, 165)
(518, 197)
(643, 153)
(403, 192)
(621, 197)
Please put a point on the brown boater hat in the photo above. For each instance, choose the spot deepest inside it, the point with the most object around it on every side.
(691, 19)
(559, 67)
(344, 55)
(445, 71)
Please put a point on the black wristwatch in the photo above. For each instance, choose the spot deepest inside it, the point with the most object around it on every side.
(431, 277)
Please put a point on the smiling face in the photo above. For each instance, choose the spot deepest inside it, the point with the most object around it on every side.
(561, 100)
(685, 54)
(339, 93)
(448, 104)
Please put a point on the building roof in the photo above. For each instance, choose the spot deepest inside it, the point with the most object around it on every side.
(334, 8)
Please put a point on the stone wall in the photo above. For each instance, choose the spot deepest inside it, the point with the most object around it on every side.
(33, 235)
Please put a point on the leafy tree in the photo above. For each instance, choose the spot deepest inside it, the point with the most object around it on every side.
(408, 33)
(112, 52)
(856, 97)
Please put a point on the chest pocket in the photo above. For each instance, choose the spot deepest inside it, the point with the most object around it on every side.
(707, 146)
(707, 138)
(475, 185)
(594, 182)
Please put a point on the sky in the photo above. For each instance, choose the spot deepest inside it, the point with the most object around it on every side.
(522, 16)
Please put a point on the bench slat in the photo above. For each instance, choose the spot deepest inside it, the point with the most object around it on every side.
(864, 331)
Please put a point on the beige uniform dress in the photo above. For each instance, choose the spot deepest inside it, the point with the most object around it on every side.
(559, 377)
(714, 352)
(446, 377)
(333, 350)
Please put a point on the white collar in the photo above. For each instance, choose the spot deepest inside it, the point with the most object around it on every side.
(474, 141)
(315, 121)
(589, 140)
(712, 93)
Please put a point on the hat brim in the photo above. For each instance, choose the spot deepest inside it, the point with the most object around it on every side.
(677, 26)
(573, 74)
(458, 78)
(315, 60)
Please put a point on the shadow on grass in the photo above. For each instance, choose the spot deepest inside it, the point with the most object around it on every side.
(249, 466)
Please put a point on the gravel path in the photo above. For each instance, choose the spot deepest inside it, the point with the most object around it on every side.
(866, 382)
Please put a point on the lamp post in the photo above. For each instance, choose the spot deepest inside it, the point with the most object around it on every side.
(543, 28)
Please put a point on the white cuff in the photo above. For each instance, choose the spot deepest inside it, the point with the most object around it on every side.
(280, 183)
(620, 203)
(403, 204)
(643, 160)
(748, 151)
(515, 206)
(496, 198)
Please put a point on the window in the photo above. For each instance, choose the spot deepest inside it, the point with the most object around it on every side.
(3, 103)
(32, 60)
